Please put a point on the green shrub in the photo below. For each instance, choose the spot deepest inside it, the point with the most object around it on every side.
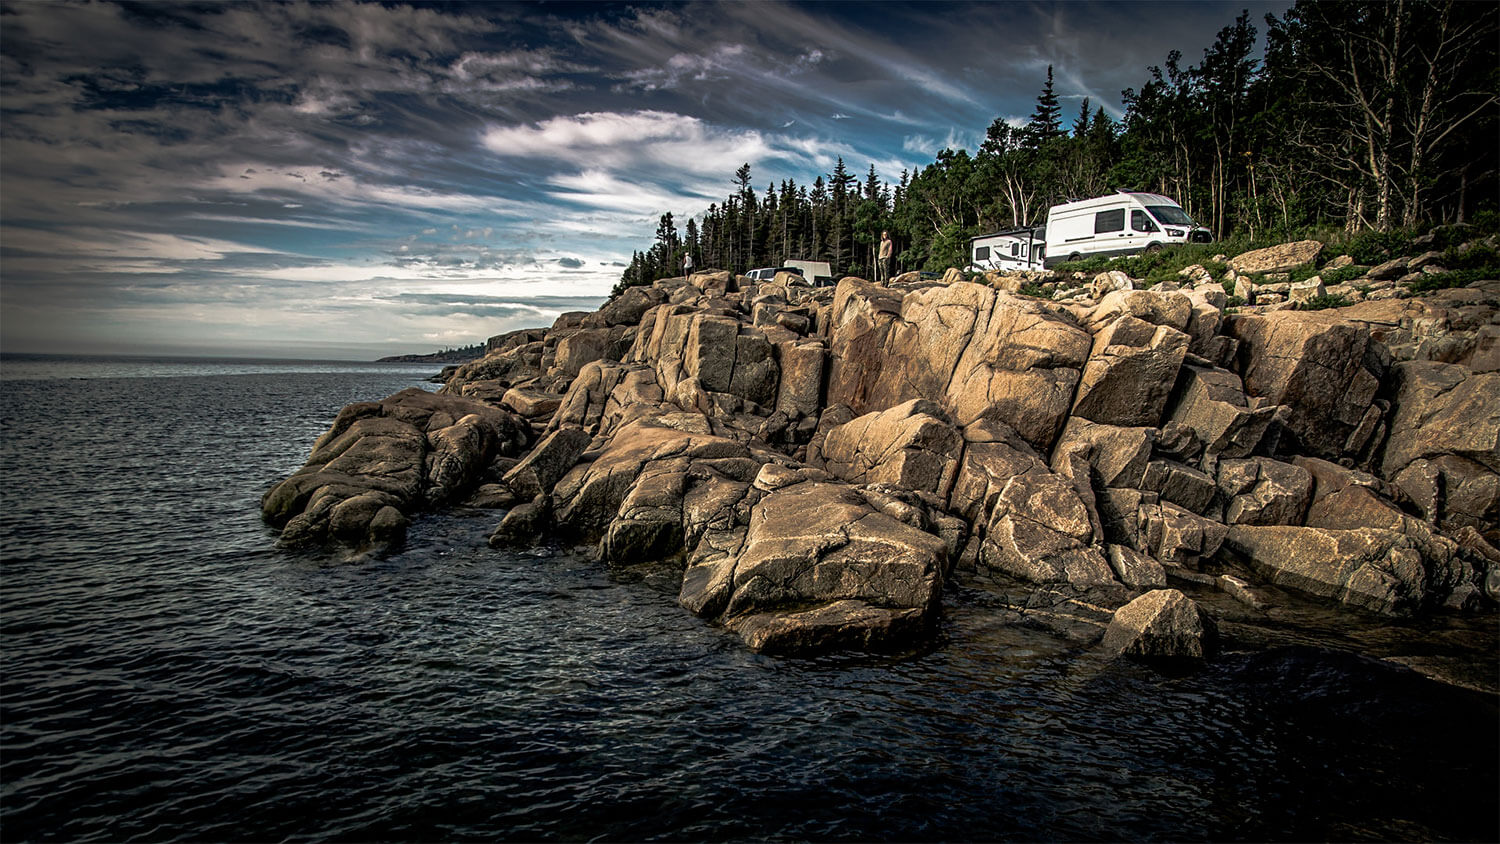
(1476, 257)
(1453, 278)
(1343, 274)
(1318, 303)
(1304, 273)
(1233, 302)
(1034, 290)
(1375, 247)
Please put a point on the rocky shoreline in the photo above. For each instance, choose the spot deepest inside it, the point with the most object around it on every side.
(823, 461)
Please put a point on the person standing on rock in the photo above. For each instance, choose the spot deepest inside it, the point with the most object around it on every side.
(883, 266)
(687, 263)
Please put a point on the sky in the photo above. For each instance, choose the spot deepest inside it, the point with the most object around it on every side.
(352, 180)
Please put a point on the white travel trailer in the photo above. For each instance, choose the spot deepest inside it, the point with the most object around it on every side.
(1008, 250)
(1119, 224)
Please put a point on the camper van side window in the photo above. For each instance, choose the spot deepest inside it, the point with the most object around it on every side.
(1109, 221)
(981, 253)
(1015, 249)
(1141, 222)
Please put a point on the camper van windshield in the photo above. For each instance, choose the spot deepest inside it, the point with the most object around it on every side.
(1170, 215)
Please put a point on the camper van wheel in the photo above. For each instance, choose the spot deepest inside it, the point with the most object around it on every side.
(1075, 257)
(1153, 248)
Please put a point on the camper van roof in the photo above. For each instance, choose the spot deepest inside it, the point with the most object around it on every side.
(1004, 232)
(1153, 198)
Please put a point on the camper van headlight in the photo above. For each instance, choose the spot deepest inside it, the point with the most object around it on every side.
(1175, 232)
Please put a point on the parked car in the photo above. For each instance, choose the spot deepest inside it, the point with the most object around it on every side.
(769, 273)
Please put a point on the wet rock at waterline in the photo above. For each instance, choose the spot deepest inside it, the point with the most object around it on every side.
(1163, 623)
(382, 461)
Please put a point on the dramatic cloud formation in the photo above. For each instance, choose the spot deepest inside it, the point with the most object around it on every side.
(358, 179)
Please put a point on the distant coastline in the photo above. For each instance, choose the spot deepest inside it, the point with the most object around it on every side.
(463, 355)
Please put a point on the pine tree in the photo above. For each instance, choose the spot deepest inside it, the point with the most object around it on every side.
(1081, 124)
(1046, 121)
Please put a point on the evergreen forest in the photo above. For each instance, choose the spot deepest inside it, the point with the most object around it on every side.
(1354, 115)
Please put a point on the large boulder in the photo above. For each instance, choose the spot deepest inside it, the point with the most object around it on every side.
(976, 351)
(1454, 492)
(1042, 531)
(1281, 258)
(381, 461)
(631, 305)
(1130, 373)
(712, 350)
(817, 566)
(590, 496)
(841, 625)
(1262, 491)
(714, 281)
(1158, 307)
(1175, 535)
(510, 362)
(1440, 409)
(1180, 484)
(912, 445)
(802, 364)
(1163, 623)
(1213, 405)
(1368, 568)
(591, 344)
(1325, 370)
(545, 464)
(605, 394)
(1029, 521)
(1117, 456)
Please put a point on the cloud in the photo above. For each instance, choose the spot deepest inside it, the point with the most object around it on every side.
(539, 309)
(955, 139)
(723, 61)
(623, 140)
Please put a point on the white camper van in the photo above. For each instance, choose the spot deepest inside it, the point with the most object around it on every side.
(1011, 249)
(1119, 224)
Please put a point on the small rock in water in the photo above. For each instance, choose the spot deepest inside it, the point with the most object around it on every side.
(1161, 623)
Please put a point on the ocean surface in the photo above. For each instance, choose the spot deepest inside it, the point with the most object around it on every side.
(167, 673)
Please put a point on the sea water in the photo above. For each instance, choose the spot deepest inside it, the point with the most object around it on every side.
(168, 673)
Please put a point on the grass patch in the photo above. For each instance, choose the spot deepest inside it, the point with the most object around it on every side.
(1035, 291)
